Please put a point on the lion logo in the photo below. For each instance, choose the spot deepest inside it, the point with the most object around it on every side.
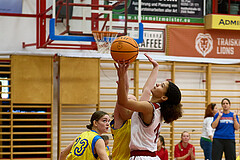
(204, 43)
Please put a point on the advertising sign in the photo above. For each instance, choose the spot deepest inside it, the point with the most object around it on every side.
(190, 11)
(153, 40)
(229, 22)
(199, 42)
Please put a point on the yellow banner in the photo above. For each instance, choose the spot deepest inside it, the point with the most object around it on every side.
(216, 21)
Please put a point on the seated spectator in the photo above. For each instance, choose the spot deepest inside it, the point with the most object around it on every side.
(161, 152)
(184, 150)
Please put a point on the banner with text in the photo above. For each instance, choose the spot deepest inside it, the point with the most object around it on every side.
(153, 40)
(198, 42)
(229, 22)
(190, 11)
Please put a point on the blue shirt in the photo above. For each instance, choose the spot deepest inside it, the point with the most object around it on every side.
(225, 128)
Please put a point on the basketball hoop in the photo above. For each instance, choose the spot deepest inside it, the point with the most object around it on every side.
(104, 40)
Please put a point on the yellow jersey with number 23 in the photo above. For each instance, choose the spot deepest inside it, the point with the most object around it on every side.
(83, 147)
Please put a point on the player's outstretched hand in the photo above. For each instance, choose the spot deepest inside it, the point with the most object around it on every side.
(121, 68)
(154, 63)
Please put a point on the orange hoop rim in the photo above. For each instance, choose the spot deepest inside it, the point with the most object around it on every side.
(105, 33)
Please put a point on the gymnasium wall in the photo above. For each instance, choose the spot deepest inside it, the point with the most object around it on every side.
(85, 85)
(200, 85)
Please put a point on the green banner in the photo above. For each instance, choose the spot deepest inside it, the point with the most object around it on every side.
(160, 18)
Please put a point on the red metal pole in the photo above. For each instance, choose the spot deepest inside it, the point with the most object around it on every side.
(50, 8)
(27, 45)
(37, 24)
(95, 23)
(215, 7)
(42, 22)
(95, 15)
(105, 23)
(229, 6)
(67, 16)
(126, 18)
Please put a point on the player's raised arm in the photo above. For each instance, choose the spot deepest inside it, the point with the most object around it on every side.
(122, 114)
(122, 71)
(146, 92)
(139, 106)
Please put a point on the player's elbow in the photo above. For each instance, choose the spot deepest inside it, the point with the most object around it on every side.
(213, 126)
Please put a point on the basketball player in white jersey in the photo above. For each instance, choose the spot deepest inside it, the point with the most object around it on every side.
(148, 115)
(121, 125)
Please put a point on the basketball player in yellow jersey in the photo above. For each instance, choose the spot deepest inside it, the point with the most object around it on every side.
(89, 145)
(121, 131)
(121, 125)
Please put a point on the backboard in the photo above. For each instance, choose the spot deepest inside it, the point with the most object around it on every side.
(73, 22)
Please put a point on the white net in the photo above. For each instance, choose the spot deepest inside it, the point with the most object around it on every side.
(104, 40)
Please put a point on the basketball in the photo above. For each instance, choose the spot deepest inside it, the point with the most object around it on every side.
(124, 48)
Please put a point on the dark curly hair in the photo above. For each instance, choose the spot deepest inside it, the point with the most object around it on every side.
(171, 109)
(171, 112)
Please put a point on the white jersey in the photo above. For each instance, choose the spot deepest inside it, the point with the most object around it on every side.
(145, 137)
(144, 158)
